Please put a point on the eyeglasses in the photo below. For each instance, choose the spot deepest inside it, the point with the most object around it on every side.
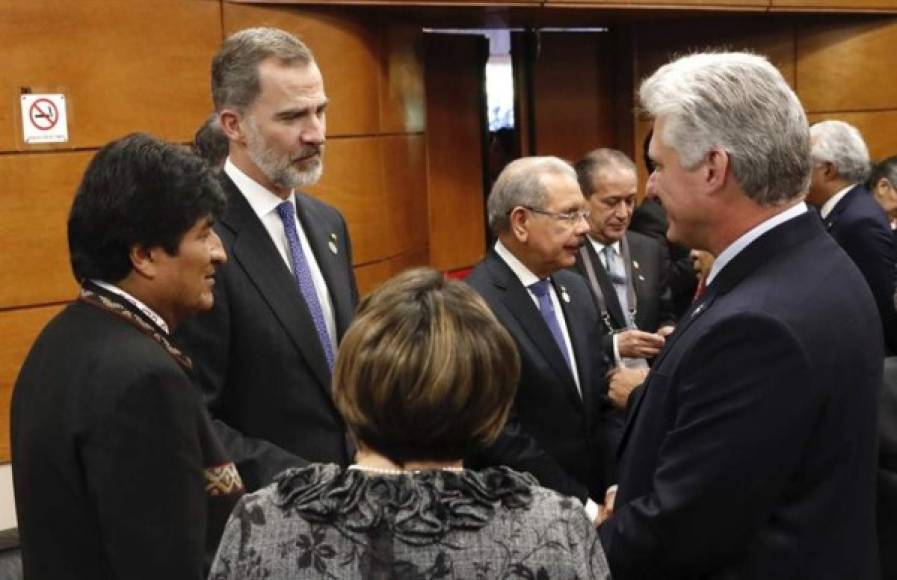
(569, 218)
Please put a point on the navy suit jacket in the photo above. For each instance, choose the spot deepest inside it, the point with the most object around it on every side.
(750, 451)
(553, 433)
(861, 227)
(256, 354)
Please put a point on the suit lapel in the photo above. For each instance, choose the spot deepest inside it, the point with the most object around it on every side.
(324, 241)
(831, 221)
(777, 241)
(520, 304)
(256, 254)
(580, 344)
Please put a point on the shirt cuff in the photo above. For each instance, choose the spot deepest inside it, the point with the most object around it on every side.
(591, 510)
(617, 359)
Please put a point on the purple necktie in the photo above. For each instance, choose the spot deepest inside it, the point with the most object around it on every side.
(302, 273)
(540, 289)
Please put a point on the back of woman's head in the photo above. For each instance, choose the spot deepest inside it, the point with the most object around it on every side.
(425, 372)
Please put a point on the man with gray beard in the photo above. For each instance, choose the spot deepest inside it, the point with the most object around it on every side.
(263, 356)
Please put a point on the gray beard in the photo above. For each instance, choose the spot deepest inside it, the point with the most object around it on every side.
(279, 169)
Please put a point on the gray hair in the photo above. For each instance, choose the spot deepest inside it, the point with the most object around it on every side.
(235, 78)
(598, 161)
(520, 184)
(842, 145)
(740, 103)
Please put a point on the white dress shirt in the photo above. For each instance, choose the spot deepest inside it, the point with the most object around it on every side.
(264, 203)
(831, 202)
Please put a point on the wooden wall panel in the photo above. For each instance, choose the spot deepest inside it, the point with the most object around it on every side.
(20, 328)
(454, 84)
(34, 206)
(347, 50)
(405, 190)
(847, 65)
(879, 129)
(402, 105)
(353, 183)
(843, 5)
(573, 94)
(371, 276)
(120, 68)
(658, 43)
(698, 4)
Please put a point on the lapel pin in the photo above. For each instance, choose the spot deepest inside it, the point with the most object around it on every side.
(635, 264)
(333, 236)
(564, 296)
(332, 245)
(698, 310)
(641, 278)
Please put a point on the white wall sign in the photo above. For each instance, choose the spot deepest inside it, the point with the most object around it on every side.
(44, 119)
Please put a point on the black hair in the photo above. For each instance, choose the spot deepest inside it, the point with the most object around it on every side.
(140, 191)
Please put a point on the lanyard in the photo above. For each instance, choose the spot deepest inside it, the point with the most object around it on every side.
(596, 287)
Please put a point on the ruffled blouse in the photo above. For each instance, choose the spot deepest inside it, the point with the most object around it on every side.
(326, 521)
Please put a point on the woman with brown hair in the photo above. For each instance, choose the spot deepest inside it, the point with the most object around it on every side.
(424, 375)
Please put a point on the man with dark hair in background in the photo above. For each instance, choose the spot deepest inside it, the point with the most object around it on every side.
(118, 471)
(264, 353)
(211, 143)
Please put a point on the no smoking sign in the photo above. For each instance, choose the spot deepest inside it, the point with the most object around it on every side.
(44, 119)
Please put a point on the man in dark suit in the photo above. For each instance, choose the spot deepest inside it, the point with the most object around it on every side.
(749, 452)
(264, 354)
(118, 472)
(626, 272)
(538, 214)
(852, 216)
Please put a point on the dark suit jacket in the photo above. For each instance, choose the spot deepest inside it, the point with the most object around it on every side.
(650, 219)
(887, 472)
(750, 451)
(113, 455)
(649, 272)
(860, 226)
(256, 353)
(553, 433)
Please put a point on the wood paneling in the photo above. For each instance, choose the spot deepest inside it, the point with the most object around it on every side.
(844, 5)
(37, 194)
(454, 84)
(405, 189)
(847, 66)
(879, 129)
(573, 94)
(402, 108)
(371, 276)
(704, 4)
(20, 328)
(659, 43)
(347, 50)
(124, 66)
(353, 183)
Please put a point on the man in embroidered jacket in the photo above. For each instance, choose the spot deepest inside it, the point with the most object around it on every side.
(118, 472)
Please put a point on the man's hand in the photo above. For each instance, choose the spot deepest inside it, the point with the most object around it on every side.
(639, 344)
(666, 331)
(620, 383)
(606, 509)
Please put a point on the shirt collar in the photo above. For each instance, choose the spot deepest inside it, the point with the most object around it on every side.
(136, 303)
(262, 200)
(752, 234)
(526, 277)
(599, 247)
(831, 202)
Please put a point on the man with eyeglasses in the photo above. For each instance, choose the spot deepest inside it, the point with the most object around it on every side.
(538, 213)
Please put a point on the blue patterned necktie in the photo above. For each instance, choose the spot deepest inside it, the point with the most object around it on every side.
(546, 308)
(617, 276)
(302, 273)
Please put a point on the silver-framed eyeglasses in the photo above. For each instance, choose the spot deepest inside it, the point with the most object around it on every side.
(569, 218)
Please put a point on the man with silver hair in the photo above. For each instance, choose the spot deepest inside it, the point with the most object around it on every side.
(750, 451)
(851, 214)
(538, 214)
(264, 354)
